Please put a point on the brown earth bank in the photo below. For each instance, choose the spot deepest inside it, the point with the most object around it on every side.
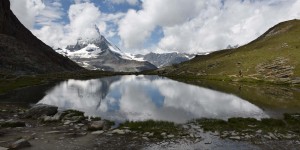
(46, 127)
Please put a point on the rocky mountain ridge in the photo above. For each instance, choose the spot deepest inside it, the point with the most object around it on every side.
(165, 59)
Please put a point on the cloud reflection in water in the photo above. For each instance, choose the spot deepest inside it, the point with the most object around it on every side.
(147, 97)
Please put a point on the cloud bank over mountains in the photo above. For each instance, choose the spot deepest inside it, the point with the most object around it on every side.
(159, 25)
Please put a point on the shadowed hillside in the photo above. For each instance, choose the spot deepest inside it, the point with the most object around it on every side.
(22, 53)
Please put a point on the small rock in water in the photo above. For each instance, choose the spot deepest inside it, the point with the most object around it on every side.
(288, 136)
(215, 133)
(192, 135)
(267, 137)
(127, 131)
(259, 131)
(252, 126)
(272, 136)
(170, 136)
(145, 138)
(235, 137)
(163, 134)
(197, 135)
(233, 133)
(118, 131)
(247, 136)
(97, 132)
(151, 134)
(22, 143)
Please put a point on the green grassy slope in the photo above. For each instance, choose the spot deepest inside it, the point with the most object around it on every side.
(274, 56)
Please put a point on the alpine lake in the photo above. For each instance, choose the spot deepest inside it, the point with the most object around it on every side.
(187, 114)
(146, 97)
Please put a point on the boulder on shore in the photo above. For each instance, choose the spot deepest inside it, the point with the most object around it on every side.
(40, 110)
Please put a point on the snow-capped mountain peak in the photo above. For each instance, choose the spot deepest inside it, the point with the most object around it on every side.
(97, 52)
(97, 43)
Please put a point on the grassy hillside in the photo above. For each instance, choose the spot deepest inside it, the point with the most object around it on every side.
(274, 56)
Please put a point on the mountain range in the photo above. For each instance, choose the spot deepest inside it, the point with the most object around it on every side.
(22, 53)
(98, 53)
(165, 59)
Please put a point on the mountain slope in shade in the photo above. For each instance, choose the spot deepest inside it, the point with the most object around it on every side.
(22, 53)
(274, 56)
(99, 54)
(165, 59)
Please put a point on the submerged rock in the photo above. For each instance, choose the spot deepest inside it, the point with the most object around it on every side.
(40, 110)
(22, 143)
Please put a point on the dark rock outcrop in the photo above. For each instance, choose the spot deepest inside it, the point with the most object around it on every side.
(23, 53)
(40, 110)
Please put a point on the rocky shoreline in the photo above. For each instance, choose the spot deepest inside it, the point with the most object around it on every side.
(44, 127)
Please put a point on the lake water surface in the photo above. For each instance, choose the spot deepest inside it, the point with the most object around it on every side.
(139, 98)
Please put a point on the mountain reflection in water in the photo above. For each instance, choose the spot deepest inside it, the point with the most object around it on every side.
(136, 98)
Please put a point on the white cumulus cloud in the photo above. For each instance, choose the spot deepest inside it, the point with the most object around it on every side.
(201, 26)
(27, 11)
(82, 18)
(183, 25)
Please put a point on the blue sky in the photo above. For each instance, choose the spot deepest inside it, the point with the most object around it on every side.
(139, 26)
(104, 5)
